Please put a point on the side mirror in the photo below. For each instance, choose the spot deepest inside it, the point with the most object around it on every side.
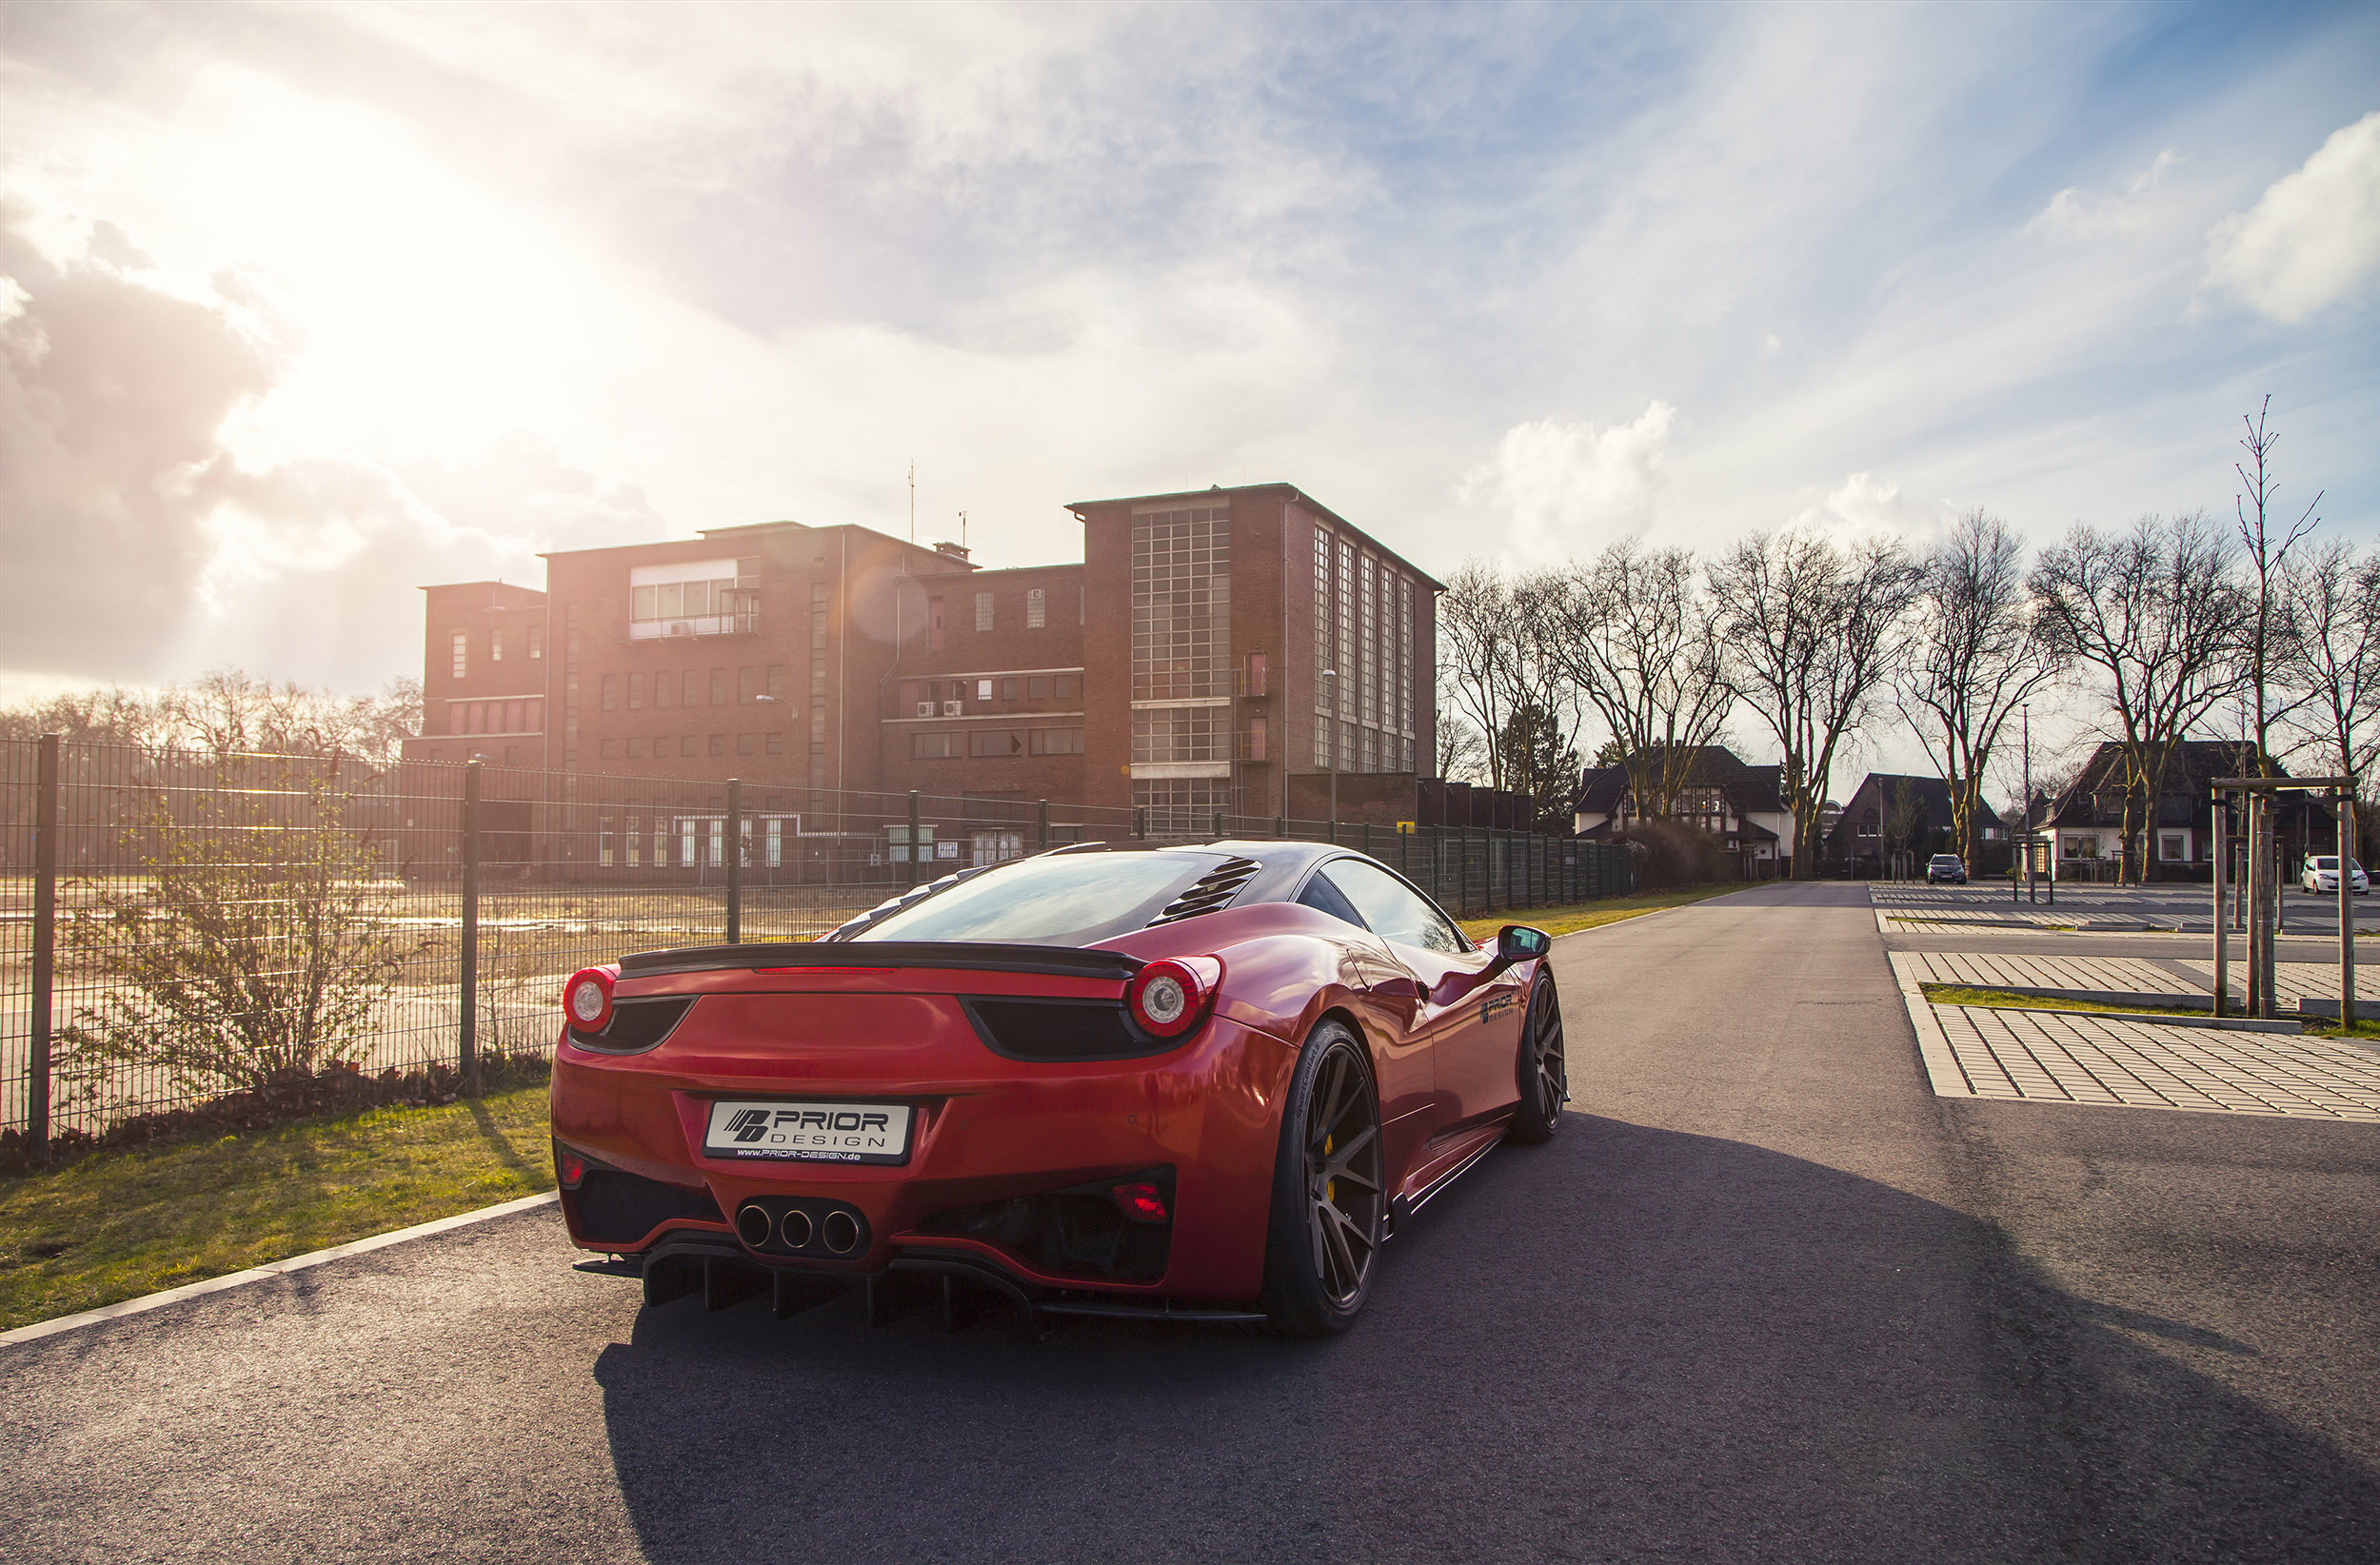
(1517, 942)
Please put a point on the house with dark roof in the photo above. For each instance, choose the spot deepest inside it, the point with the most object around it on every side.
(1739, 806)
(1871, 825)
(2084, 825)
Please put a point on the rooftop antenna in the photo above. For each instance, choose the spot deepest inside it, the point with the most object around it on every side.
(913, 500)
(962, 529)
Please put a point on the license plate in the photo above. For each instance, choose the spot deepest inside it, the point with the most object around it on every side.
(815, 1133)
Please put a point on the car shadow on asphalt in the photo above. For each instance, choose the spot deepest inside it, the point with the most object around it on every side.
(1631, 1344)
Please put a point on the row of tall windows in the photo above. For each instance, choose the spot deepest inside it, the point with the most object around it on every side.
(531, 637)
(995, 743)
(1363, 651)
(689, 746)
(1182, 670)
(688, 687)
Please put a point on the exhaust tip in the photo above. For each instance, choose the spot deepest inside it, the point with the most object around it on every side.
(796, 1229)
(842, 1232)
(752, 1224)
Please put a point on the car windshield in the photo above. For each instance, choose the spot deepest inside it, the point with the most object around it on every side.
(1946, 861)
(1064, 898)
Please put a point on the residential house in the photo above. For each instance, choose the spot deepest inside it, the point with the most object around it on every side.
(1739, 806)
(1865, 832)
(2085, 824)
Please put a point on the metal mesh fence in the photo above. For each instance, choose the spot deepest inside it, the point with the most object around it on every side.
(192, 925)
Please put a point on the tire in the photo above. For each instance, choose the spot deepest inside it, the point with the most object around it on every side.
(1544, 1068)
(1329, 1194)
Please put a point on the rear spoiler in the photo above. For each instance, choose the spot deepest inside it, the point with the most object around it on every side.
(973, 955)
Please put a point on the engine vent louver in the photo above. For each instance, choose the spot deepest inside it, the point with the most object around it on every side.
(1213, 890)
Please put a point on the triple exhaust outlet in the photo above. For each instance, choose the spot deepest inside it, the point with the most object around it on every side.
(795, 1228)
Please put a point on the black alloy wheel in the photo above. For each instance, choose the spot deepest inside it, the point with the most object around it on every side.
(1328, 1199)
(1544, 1068)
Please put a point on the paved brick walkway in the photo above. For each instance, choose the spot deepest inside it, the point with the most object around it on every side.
(2296, 981)
(2052, 1057)
(2099, 1059)
(2098, 975)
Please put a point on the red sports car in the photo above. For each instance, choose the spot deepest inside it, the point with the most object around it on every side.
(1189, 1082)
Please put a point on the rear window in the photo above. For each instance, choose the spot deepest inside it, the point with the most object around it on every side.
(1068, 898)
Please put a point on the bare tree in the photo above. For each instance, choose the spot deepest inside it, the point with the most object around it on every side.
(2158, 615)
(232, 712)
(1813, 633)
(2332, 598)
(1462, 753)
(1480, 652)
(1977, 654)
(2269, 631)
(1634, 633)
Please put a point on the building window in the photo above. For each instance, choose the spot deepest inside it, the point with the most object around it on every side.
(1056, 741)
(995, 742)
(1037, 687)
(776, 682)
(1182, 603)
(1324, 760)
(775, 744)
(662, 683)
(536, 643)
(1182, 733)
(690, 689)
(636, 692)
(719, 743)
(983, 689)
(1182, 807)
(611, 692)
(2175, 849)
(982, 611)
(934, 624)
(715, 602)
(747, 743)
(718, 687)
(686, 745)
(495, 646)
(937, 746)
(1008, 689)
(747, 685)
(1062, 688)
(462, 653)
(1367, 658)
(1035, 608)
(1323, 552)
(604, 749)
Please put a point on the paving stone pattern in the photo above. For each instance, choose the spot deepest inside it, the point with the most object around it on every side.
(2296, 981)
(2095, 1060)
(2111, 974)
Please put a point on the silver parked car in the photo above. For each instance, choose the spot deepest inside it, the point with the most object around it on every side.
(2322, 873)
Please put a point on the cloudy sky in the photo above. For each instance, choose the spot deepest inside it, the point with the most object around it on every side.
(304, 306)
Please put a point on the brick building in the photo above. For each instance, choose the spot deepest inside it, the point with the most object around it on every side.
(1223, 649)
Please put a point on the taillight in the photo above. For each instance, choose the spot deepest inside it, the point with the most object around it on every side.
(1142, 1202)
(569, 1167)
(1169, 997)
(587, 998)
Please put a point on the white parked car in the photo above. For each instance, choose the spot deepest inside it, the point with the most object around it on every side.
(2322, 873)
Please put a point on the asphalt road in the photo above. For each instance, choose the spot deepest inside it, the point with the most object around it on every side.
(1766, 1298)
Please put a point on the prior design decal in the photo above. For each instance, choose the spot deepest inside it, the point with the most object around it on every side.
(838, 1133)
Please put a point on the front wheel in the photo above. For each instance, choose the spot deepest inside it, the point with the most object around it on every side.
(1328, 1199)
(1544, 1068)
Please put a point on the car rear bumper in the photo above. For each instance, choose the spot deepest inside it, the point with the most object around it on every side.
(1000, 1152)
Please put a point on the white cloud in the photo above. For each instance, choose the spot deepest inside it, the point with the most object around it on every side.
(2314, 237)
(2071, 210)
(1864, 506)
(1566, 489)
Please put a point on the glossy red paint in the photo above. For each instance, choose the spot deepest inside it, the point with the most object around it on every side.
(989, 1127)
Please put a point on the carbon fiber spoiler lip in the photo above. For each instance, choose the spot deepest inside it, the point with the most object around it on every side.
(1050, 960)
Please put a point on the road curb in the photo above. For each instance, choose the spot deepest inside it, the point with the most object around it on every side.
(40, 1328)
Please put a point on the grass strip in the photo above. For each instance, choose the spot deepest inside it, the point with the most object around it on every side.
(115, 1225)
(1576, 916)
(2008, 999)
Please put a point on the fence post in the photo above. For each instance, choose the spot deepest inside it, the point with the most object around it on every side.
(1218, 826)
(45, 945)
(1367, 839)
(1046, 825)
(466, 1040)
(1139, 822)
(1279, 828)
(735, 861)
(1462, 869)
(911, 882)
